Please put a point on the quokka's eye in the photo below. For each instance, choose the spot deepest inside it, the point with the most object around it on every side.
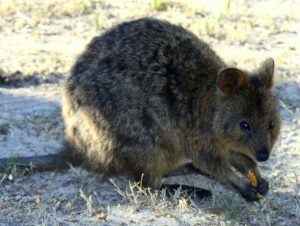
(271, 124)
(245, 125)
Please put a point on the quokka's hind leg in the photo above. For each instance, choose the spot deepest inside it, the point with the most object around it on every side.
(244, 164)
(154, 181)
(148, 180)
(142, 161)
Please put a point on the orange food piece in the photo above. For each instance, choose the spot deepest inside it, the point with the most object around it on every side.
(252, 178)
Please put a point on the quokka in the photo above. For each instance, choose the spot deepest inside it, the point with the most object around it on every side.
(147, 96)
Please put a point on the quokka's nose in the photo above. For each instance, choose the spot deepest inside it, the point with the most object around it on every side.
(262, 155)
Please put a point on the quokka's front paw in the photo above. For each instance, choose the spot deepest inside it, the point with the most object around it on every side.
(263, 186)
(249, 193)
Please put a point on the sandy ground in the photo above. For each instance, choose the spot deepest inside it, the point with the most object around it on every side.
(39, 42)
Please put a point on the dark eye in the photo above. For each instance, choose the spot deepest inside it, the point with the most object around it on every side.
(271, 124)
(244, 125)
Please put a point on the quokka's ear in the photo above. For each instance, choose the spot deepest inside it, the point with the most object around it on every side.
(266, 72)
(232, 79)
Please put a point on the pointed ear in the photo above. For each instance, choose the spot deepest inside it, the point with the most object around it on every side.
(266, 72)
(232, 79)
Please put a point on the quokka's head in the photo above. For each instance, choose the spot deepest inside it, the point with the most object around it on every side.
(247, 118)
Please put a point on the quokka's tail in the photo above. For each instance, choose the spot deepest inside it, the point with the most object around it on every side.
(50, 162)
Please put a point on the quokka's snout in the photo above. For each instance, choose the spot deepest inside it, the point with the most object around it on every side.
(262, 155)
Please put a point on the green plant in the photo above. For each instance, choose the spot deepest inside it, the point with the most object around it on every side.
(159, 5)
(253, 23)
(98, 21)
(297, 210)
(11, 167)
(227, 5)
(86, 5)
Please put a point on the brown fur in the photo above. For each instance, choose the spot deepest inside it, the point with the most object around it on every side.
(147, 96)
